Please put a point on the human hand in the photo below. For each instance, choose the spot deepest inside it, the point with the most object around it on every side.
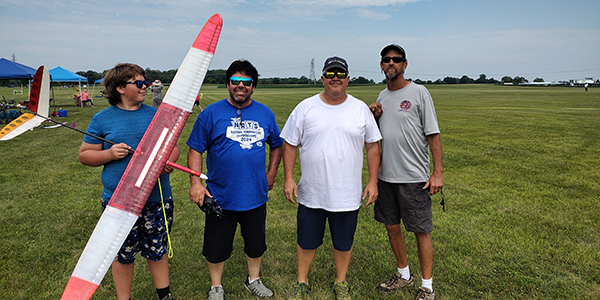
(376, 109)
(119, 151)
(290, 190)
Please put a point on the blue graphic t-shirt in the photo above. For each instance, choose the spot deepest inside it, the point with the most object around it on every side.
(123, 126)
(235, 141)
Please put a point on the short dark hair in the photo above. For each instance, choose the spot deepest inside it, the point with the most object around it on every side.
(244, 67)
(117, 77)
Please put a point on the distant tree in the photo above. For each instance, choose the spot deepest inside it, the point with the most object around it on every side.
(419, 81)
(519, 79)
(465, 79)
(492, 80)
(538, 80)
(361, 80)
(506, 79)
(216, 76)
(439, 81)
(481, 79)
(451, 80)
(90, 75)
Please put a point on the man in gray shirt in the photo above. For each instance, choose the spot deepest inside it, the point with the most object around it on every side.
(409, 127)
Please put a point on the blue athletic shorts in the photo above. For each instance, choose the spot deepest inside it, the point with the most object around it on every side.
(148, 235)
(311, 228)
(406, 202)
(219, 234)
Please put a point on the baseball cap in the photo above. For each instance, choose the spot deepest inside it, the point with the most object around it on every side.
(335, 61)
(393, 47)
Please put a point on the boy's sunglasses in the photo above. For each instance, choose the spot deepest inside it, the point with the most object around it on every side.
(138, 83)
(396, 59)
(237, 80)
(330, 75)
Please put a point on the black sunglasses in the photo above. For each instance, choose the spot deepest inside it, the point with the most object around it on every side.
(396, 59)
(138, 83)
(330, 75)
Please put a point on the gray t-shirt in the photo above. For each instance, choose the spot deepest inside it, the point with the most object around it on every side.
(408, 118)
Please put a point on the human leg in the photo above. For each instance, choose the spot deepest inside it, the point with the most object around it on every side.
(398, 244)
(160, 272)
(304, 258)
(216, 272)
(425, 251)
(342, 263)
(123, 278)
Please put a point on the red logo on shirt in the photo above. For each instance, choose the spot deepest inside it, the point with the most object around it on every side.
(405, 105)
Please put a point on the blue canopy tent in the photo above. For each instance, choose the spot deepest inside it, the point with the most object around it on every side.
(59, 74)
(14, 70)
(94, 88)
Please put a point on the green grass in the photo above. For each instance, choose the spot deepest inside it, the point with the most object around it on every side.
(522, 187)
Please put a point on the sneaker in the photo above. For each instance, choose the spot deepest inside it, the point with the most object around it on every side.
(301, 291)
(395, 283)
(341, 290)
(168, 297)
(425, 294)
(258, 289)
(216, 293)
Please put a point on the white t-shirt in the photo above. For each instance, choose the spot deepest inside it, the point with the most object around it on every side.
(330, 140)
(408, 118)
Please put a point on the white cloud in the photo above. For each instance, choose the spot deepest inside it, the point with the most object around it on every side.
(371, 14)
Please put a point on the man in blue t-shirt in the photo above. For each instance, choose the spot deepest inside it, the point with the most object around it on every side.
(234, 133)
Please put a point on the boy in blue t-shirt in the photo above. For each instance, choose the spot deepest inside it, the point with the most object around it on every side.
(125, 123)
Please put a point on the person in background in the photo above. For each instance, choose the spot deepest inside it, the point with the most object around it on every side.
(409, 127)
(85, 98)
(125, 121)
(157, 95)
(330, 130)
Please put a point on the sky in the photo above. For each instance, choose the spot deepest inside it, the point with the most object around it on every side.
(548, 39)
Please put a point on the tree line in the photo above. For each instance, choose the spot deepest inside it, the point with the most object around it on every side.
(217, 76)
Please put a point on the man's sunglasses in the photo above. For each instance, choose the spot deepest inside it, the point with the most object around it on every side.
(330, 75)
(237, 80)
(396, 59)
(138, 83)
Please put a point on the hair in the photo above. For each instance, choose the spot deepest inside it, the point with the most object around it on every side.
(117, 77)
(244, 67)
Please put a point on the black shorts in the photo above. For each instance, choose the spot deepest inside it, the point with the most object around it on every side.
(219, 234)
(406, 202)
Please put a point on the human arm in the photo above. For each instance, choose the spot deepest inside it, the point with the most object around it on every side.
(173, 157)
(274, 160)
(436, 180)
(373, 161)
(376, 110)
(94, 155)
(290, 189)
(197, 189)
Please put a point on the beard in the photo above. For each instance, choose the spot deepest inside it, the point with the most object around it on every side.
(391, 74)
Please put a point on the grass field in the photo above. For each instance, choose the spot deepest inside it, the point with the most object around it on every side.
(522, 218)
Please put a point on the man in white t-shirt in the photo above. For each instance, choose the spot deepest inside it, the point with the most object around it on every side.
(409, 127)
(330, 131)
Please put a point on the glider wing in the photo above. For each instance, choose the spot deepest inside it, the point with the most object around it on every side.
(39, 102)
(145, 166)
